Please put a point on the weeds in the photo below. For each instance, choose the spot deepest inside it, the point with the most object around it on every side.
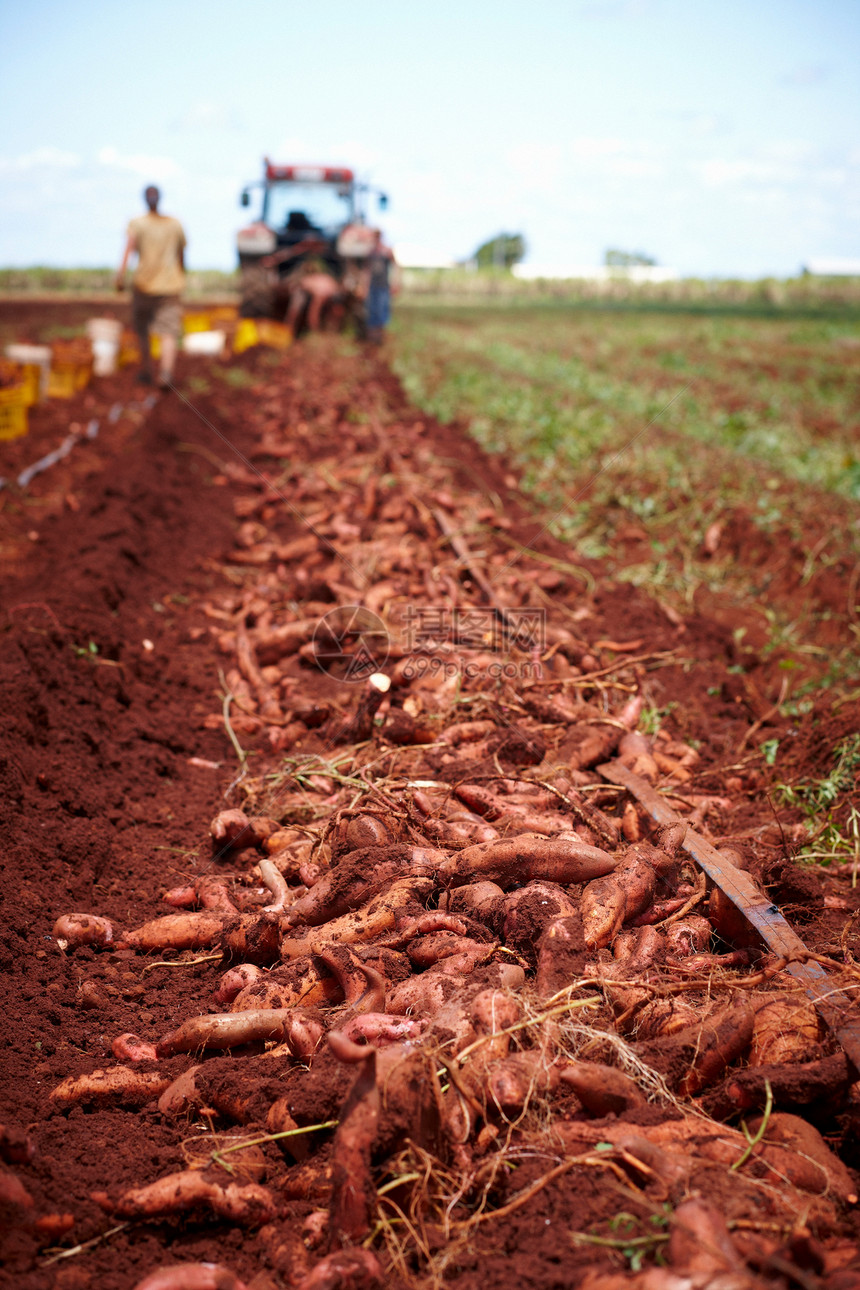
(819, 801)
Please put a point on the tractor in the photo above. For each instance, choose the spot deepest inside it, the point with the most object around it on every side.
(311, 221)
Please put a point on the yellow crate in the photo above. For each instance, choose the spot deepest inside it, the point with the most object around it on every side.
(246, 336)
(31, 379)
(64, 380)
(196, 322)
(261, 331)
(277, 335)
(13, 413)
(83, 375)
(129, 349)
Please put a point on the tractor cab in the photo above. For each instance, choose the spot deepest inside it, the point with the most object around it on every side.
(306, 212)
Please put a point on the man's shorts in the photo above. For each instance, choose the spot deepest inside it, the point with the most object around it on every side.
(160, 314)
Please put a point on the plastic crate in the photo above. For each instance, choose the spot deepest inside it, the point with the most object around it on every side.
(261, 331)
(277, 335)
(26, 376)
(129, 349)
(65, 379)
(13, 413)
(196, 322)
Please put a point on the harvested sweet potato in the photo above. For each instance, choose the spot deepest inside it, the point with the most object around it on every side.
(248, 1205)
(610, 901)
(227, 1030)
(118, 1086)
(72, 930)
(786, 1029)
(364, 924)
(357, 877)
(190, 931)
(513, 861)
(602, 1090)
(191, 1276)
(350, 1269)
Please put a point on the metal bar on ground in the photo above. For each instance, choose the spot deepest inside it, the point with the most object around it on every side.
(831, 1002)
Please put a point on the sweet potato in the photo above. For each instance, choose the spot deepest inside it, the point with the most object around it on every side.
(814, 1168)
(381, 1029)
(701, 1247)
(696, 1057)
(353, 1193)
(226, 1030)
(302, 984)
(357, 878)
(350, 1269)
(208, 892)
(608, 902)
(424, 951)
(190, 931)
(786, 1029)
(233, 830)
(793, 1084)
(72, 930)
(363, 987)
(131, 1048)
(690, 935)
(181, 1094)
(481, 900)
(248, 1205)
(118, 1086)
(277, 884)
(530, 909)
(234, 981)
(602, 1090)
(191, 1276)
(513, 861)
(364, 924)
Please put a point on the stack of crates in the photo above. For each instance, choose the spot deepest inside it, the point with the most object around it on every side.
(16, 397)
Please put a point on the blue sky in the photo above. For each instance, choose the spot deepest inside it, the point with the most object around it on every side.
(720, 137)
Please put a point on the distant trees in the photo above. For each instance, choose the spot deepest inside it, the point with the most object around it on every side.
(502, 251)
(614, 259)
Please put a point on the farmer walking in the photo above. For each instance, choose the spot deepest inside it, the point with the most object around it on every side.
(158, 241)
(380, 264)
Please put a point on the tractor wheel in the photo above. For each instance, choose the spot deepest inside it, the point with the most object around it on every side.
(256, 291)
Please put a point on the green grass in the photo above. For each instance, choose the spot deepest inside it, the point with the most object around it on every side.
(661, 424)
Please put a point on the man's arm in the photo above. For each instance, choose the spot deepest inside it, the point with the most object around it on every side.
(130, 248)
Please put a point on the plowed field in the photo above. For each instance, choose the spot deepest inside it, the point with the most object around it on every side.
(385, 979)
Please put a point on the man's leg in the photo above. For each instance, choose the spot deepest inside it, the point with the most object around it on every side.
(168, 358)
(168, 325)
(140, 318)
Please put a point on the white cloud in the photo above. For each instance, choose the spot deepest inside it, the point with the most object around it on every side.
(208, 115)
(538, 165)
(139, 163)
(807, 74)
(585, 147)
(47, 158)
(719, 172)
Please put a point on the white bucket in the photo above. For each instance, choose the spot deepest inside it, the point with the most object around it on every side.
(204, 342)
(104, 329)
(105, 335)
(105, 354)
(39, 354)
